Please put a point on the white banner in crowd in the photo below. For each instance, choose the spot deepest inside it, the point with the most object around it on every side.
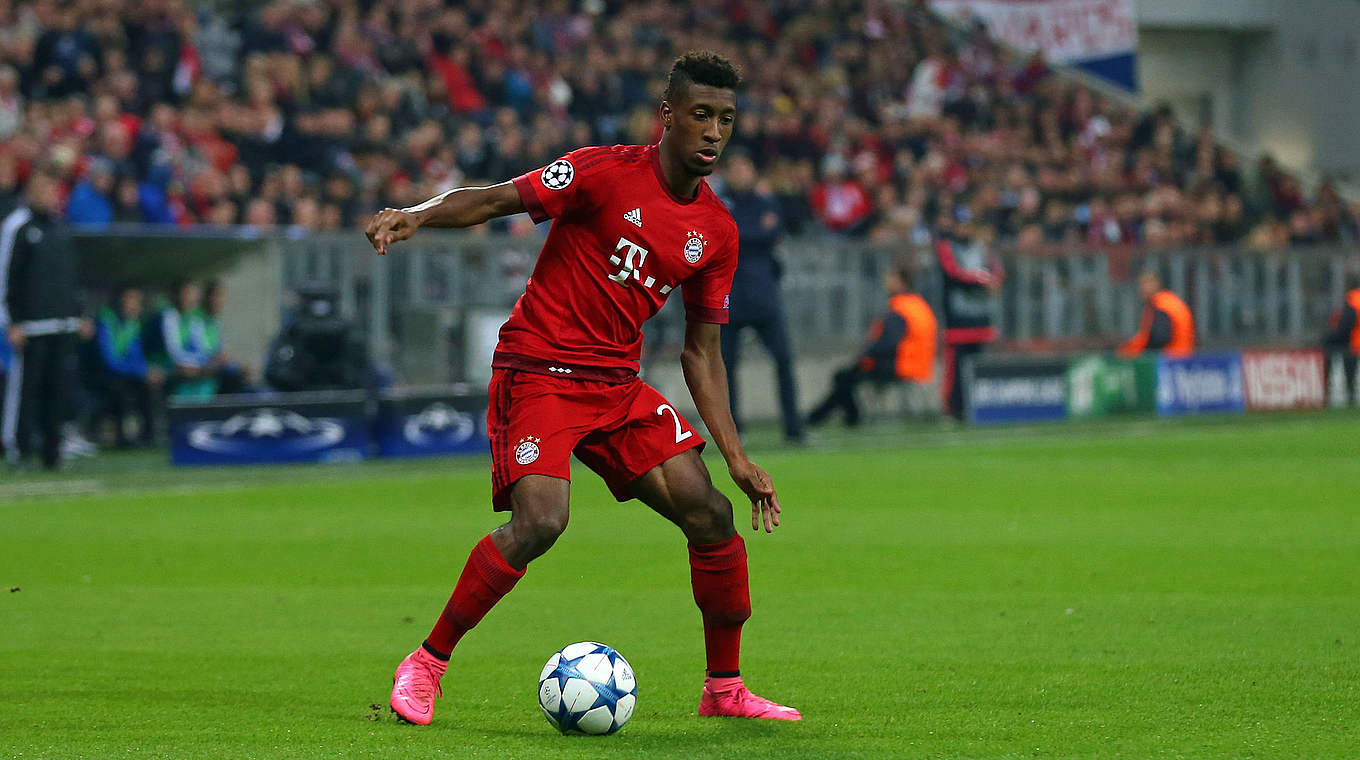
(1099, 35)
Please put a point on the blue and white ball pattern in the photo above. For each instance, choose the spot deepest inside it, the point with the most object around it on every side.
(587, 688)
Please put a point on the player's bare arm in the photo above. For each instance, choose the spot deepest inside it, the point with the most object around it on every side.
(461, 207)
(706, 376)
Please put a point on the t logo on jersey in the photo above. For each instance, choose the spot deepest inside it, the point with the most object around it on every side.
(630, 265)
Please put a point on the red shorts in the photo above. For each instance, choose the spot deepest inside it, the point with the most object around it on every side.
(621, 431)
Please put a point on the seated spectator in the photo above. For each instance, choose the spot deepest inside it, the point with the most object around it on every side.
(231, 376)
(128, 381)
(91, 200)
(401, 98)
(1166, 325)
(178, 335)
(840, 202)
(127, 202)
(901, 346)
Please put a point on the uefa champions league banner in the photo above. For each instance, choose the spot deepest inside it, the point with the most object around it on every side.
(431, 421)
(292, 427)
(1098, 36)
(1001, 389)
(1200, 384)
(1099, 386)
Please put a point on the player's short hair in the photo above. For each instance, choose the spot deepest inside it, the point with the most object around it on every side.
(701, 67)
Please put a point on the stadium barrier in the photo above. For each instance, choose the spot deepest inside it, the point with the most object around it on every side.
(1200, 384)
(1016, 389)
(1025, 388)
(337, 426)
(419, 422)
(425, 311)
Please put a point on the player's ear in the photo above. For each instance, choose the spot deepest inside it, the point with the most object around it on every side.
(666, 113)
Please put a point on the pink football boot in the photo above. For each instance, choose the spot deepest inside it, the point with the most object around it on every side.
(415, 686)
(729, 697)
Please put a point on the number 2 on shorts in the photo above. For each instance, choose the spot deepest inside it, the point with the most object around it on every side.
(680, 433)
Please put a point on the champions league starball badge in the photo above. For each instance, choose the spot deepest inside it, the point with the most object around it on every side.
(558, 174)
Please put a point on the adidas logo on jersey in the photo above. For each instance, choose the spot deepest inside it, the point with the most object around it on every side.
(634, 216)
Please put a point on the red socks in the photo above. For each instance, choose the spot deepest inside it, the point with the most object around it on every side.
(717, 572)
(723, 593)
(486, 578)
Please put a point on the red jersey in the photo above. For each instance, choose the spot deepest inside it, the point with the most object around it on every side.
(620, 242)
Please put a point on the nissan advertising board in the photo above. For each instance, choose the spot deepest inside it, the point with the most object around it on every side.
(1284, 379)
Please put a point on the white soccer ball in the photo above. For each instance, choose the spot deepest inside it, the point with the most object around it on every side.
(587, 688)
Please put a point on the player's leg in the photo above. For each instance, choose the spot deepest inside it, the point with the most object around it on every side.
(681, 490)
(539, 507)
(531, 447)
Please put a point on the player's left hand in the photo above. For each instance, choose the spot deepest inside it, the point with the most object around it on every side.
(756, 484)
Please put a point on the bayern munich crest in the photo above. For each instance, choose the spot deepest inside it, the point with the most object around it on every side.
(694, 247)
(558, 174)
(526, 452)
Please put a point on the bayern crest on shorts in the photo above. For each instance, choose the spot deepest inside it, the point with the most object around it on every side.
(694, 247)
(526, 451)
(558, 174)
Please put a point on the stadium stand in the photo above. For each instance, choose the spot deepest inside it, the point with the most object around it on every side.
(869, 118)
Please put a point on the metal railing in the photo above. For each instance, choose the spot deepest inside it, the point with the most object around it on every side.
(832, 290)
(422, 306)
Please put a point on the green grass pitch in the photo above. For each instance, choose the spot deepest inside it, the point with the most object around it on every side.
(1121, 591)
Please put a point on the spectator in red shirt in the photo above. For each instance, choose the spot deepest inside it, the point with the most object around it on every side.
(841, 203)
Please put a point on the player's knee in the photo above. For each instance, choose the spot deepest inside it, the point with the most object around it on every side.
(537, 530)
(709, 519)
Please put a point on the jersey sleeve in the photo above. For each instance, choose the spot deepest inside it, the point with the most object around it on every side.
(561, 187)
(706, 291)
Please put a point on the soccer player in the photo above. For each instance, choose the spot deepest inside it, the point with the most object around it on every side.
(630, 224)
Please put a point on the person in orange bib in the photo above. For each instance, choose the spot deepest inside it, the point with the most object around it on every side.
(1343, 339)
(901, 346)
(1166, 326)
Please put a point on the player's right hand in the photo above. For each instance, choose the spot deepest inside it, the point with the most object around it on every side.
(388, 226)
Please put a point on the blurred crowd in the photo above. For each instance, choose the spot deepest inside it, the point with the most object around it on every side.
(867, 118)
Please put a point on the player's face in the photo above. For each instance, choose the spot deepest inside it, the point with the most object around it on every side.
(701, 124)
